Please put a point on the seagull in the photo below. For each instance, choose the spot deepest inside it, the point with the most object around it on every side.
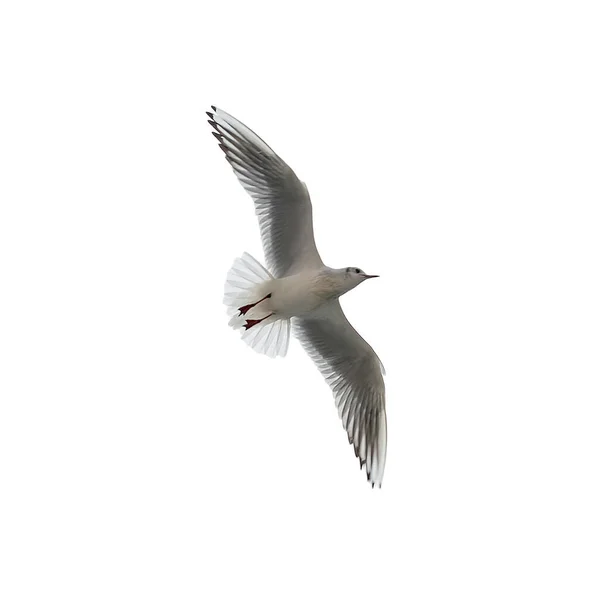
(298, 293)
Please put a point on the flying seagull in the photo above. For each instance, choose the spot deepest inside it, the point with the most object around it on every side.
(300, 293)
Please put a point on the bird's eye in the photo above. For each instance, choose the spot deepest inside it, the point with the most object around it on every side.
(357, 270)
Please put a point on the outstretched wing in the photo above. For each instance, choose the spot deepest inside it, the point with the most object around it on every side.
(281, 200)
(355, 375)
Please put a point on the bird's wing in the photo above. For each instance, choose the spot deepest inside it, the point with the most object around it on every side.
(355, 375)
(281, 200)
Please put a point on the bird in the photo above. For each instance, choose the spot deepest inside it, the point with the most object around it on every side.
(298, 294)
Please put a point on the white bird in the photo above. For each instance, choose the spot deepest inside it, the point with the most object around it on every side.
(299, 292)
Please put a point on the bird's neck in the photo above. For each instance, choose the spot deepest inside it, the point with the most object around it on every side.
(330, 284)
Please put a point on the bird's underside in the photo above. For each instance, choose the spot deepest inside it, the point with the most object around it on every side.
(347, 362)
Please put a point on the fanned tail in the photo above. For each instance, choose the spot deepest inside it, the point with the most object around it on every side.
(247, 295)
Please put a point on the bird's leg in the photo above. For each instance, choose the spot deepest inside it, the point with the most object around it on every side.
(244, 309)
(253, 322)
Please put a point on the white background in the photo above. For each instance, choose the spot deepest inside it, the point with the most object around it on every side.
(146, 452)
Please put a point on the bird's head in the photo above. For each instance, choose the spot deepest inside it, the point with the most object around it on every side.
(353, 276)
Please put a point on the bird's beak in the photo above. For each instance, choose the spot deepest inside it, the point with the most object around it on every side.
(370, 276)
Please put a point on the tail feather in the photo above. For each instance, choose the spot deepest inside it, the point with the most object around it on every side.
(247, 282)
(243, 277)
(271, 337)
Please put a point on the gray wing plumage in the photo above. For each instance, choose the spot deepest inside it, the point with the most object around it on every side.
(281, 200)
(355, 375)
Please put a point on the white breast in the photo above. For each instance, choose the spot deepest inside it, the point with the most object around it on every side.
(300, 294)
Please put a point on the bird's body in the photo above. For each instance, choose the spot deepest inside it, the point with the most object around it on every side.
(299, 292)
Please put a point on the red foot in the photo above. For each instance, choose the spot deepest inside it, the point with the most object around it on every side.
(244, 309)
(253, 322)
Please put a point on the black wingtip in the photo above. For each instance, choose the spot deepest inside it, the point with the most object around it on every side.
(210, 115)
(213, 107)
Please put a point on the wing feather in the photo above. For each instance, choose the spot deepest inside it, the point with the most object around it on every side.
(281, 200)
(355, 375)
